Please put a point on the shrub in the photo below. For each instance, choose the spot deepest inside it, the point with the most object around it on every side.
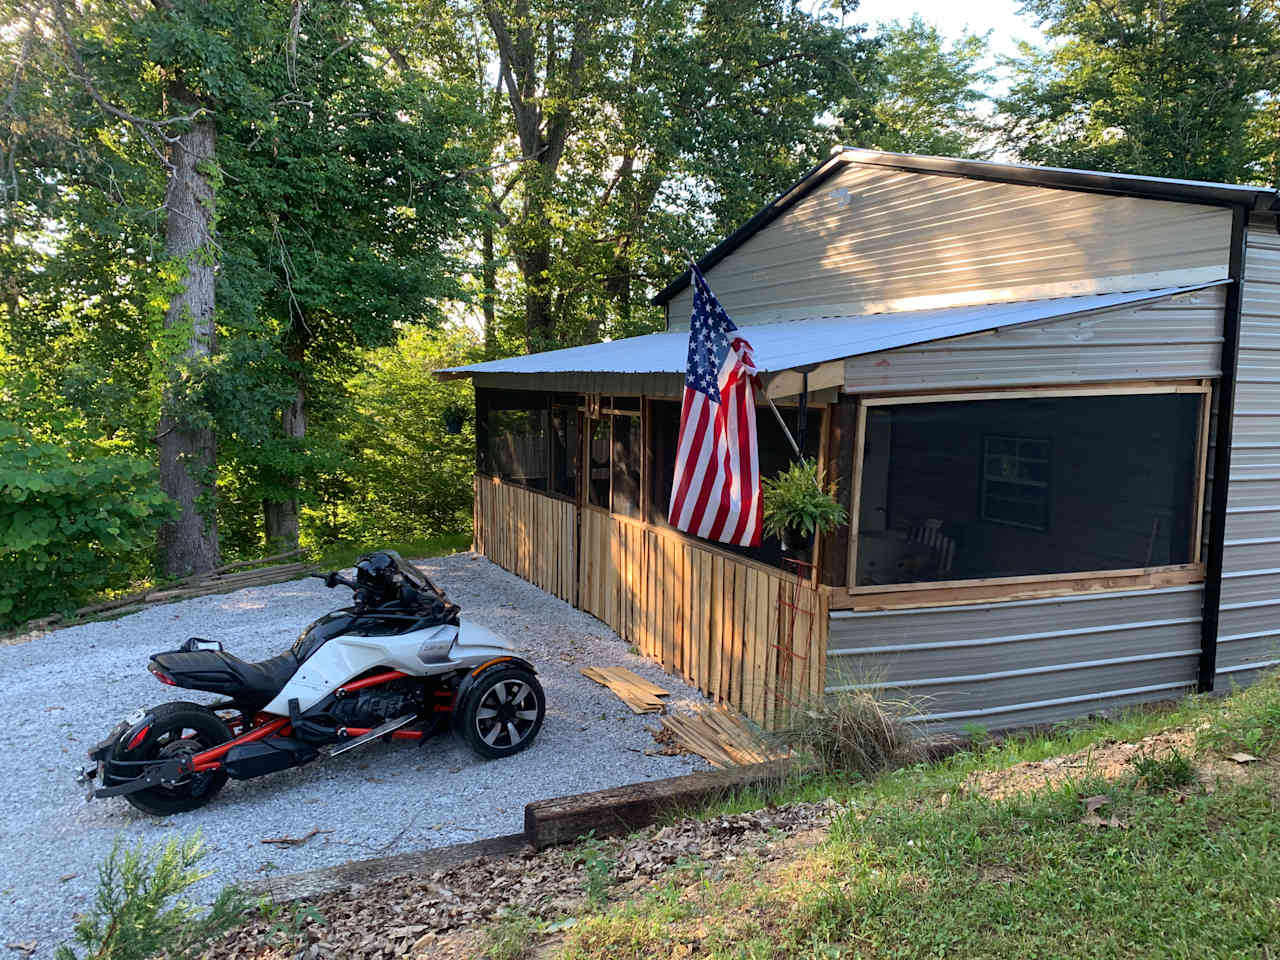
(132, 916)
(855, 731)
(74, 520)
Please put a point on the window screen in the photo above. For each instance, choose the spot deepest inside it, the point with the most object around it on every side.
(565, 450)
(518, 446)
(598, 464)
(1027, 486)
(628, 452)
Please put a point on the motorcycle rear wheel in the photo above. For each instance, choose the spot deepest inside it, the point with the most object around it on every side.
(178, 729)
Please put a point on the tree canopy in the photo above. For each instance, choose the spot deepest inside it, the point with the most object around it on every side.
(236, 234)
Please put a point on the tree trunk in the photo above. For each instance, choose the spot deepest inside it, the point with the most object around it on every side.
(539, 319)
(282, 515)
(188, 450)
(489, 277)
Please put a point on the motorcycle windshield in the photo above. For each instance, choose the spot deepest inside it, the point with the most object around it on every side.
(413, 575)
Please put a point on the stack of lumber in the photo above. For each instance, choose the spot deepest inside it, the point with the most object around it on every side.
(232, 576)
(633, 690)
(721, 737)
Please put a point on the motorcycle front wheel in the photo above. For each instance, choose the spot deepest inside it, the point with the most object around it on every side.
(178, 729)
(503, 712)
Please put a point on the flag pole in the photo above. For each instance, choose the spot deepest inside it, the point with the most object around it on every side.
(782, 423)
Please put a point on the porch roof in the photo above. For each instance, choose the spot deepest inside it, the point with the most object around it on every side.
(800, 344)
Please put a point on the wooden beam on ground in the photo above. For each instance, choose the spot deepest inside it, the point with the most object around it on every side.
(621, 810)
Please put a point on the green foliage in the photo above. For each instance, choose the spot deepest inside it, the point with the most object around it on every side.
(135, 914)
(1250, 721)
(926, 92)
(795, 500)
(75, 519)
(597, 868)
(403, 476)
(1175, 88)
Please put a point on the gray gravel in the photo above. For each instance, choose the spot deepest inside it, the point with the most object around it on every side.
(65, 690)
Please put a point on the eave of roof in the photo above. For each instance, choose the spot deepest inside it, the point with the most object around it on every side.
(797, 344)
(1090, 181)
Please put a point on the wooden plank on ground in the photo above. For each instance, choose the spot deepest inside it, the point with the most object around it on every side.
(633, 690)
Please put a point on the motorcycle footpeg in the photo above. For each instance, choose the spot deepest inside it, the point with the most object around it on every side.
(380, 731)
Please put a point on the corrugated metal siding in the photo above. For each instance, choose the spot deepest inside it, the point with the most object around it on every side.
(1178, 337)
(1249, 625)
(1023, 662)
(872, 240)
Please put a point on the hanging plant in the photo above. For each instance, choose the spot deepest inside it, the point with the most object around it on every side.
(796, 507)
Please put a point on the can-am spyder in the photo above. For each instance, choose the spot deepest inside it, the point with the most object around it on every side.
(397, 662)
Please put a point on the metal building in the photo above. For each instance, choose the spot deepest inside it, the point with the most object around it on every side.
(1050, 400)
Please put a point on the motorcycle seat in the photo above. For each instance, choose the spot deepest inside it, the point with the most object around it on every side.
(253, 684)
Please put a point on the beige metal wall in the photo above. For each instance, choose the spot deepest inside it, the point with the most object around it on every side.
(1023, 662)
(872, 240)
(1174, 338)
(1249, 624)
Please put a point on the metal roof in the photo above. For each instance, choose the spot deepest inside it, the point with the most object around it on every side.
(1090, 181)
(803, 343)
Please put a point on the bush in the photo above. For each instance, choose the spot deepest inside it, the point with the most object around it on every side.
(132, 918)
(855, 731)
(74, 520)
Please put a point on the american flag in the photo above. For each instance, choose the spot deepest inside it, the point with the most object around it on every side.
(716, 491)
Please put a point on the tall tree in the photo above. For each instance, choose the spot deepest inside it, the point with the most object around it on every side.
(1163, 87)
(183, 43)
(346, 191)
(928, 94)
(622, 131)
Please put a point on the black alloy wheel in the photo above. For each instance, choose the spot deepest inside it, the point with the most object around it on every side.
(178, 729)
(503, 712)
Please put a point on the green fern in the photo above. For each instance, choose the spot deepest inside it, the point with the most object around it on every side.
(136, 915)
(794, 499)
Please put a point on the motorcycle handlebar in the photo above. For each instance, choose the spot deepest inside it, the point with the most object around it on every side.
(332, 580)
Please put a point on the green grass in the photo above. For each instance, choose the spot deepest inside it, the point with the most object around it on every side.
(338, 556)
(1189, 871)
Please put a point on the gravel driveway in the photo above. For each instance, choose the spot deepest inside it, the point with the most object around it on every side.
(67, 689)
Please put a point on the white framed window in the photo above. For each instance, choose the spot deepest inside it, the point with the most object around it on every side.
(1015, 481)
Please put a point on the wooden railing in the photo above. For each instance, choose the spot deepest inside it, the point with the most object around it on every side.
(532, 535)
(743, 633)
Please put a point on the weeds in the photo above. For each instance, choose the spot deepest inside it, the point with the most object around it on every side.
(135, 913)
(1164, 773)
(597, 867)
(510, 938)
(856, 731)
(1250, 720)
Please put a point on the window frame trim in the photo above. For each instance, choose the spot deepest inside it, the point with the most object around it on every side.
(941, 592)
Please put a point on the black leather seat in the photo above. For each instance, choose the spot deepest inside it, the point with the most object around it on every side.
(251, 684)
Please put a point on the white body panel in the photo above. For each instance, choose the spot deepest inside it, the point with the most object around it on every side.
(422, 653)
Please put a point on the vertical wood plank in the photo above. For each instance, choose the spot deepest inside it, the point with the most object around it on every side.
(750, 674)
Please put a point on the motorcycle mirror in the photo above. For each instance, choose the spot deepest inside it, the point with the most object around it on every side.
(331, 580)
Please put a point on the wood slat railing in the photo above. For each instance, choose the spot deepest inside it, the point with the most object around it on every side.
(742, 633)
(532, 535)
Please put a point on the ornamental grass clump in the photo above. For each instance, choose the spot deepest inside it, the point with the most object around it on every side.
(795, 502)
(855, 731)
